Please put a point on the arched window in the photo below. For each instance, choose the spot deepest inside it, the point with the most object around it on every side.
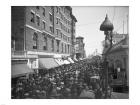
(35, 40)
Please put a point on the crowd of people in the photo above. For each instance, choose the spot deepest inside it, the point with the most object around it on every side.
(79, 80)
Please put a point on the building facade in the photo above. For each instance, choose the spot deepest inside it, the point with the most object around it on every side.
(42, 31)
(79, 48)
(118, 60)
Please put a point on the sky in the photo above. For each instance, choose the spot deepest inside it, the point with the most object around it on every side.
(91, 17)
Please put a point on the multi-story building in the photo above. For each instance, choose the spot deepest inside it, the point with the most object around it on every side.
(39, 32)
(79, 48)
(73, 39)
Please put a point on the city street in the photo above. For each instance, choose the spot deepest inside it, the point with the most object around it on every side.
(58, 53)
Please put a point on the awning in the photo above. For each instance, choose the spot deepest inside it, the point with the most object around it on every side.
(20, 70)
(75, 59)
(70, 60)
(47, 63)
(66, 62)
(59, 61)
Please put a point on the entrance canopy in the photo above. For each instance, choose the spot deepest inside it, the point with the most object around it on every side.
(20, 70)
(47, 63)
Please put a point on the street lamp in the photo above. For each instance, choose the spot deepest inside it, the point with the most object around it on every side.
(107, 27)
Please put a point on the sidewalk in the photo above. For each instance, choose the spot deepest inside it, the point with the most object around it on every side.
(115, 95)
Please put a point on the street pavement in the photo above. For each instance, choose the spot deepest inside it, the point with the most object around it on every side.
(115, 95)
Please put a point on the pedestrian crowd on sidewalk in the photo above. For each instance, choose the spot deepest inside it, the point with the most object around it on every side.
(80, 80)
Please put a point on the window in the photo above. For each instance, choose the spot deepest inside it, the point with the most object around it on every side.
(68, 48)
(37, 7)
(61, 34)
(44, 25)
(57, 45)
(32, 17)
(35, 40)
(69, 40)
(13, 42)
(57, 32)
(57, 21)
(51, 18)
(38, 20)
(62, 47)
(51, 29)
(45, 47)
(61, 25)
(51, 8)
(57, 9)
(61, 15)
(66, 21)
(65, 48)
(43, 12)
(52, 45)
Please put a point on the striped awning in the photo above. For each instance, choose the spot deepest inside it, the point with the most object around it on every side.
(59, 61)
(66, 62)
(70, 60)
(47, 63)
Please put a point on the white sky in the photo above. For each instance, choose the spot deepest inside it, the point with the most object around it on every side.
(89, 21)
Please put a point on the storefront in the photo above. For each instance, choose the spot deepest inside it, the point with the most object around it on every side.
(20, 68)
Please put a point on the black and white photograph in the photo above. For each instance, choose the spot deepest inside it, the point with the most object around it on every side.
(69, 52)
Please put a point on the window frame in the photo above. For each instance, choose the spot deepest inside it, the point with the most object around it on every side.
(35, 40)
(38, 20)
(32, 17)
(43, 11)
(51, 17)
(44, 25)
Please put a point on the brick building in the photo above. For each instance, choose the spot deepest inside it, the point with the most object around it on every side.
(41, 32)
(79, 48)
